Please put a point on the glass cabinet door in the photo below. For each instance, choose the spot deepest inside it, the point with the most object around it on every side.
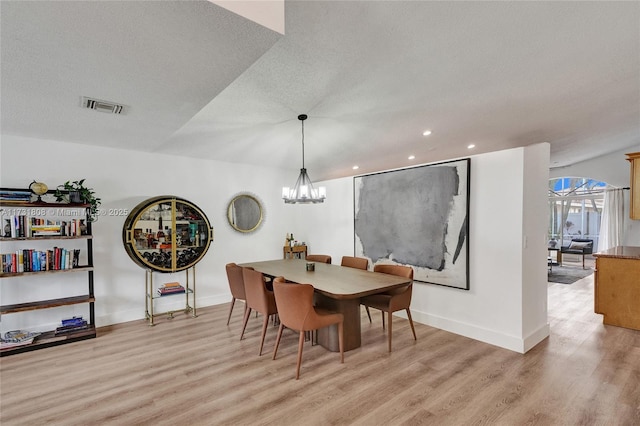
(167, 234)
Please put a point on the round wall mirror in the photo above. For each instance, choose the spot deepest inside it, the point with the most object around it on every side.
(245, 213)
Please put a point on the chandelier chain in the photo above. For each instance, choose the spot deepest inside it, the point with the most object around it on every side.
(302, 144)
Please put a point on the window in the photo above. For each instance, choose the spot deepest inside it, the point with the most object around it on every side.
(575, 209)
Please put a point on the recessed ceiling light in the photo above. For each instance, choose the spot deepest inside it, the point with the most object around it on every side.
(471, 146)
(356, 167)
(426, 133)
(412, 157)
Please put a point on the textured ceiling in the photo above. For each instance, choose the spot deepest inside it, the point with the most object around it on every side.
(372, 75)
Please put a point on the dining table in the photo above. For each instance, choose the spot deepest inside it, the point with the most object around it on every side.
(337, 288)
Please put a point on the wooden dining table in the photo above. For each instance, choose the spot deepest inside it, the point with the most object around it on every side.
(337, 288)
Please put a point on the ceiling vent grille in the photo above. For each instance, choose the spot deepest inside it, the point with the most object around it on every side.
(102, 106)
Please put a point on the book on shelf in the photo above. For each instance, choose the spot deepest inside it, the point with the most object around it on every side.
(73, 321)
(70, 325)
(71, 328)
(23, 226)
(167, 292)
(171, 288)
(17, 338)
(31, 260)
(15, 195)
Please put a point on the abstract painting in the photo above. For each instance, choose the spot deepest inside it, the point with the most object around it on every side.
(417, 217)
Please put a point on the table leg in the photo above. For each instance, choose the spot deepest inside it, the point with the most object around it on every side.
(328, 336)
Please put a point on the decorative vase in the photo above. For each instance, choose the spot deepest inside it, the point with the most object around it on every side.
(74, 197)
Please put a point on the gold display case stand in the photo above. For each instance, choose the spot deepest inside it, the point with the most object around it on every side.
(190, 293)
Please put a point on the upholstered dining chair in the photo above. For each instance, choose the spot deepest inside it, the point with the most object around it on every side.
(393, 300)
(258, 299)
(321, 258)
(236, 285)
(298, 313)
(355, 262)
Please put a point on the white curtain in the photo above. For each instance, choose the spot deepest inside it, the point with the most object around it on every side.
(611, 227)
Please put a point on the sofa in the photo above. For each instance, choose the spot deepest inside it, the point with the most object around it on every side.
(578, 246)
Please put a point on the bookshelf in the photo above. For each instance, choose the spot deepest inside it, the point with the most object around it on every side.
(40, 258)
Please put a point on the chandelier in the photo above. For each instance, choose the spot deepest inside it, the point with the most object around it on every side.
(303, 192)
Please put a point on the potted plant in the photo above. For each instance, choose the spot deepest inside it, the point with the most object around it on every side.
(76, 192)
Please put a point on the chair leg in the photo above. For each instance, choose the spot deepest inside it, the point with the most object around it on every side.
(246, 319)
(300, 346)
(382, 312)
(390, 326)
(341, 340)
(233, 301)
(583, 261)
(275, 349)
(368, 313)
(411, 323)
(265, 324)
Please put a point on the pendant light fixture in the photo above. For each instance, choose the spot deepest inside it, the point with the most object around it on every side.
(303, 192)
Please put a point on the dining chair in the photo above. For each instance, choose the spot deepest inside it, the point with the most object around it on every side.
(298, 313)
(236, 285)
(259, 299)
(322, 258)
(393, 300)
(355, 262)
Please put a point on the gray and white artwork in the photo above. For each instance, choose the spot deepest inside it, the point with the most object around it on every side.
(416, 217)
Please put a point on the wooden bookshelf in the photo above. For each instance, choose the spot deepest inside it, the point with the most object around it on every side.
(58, 215)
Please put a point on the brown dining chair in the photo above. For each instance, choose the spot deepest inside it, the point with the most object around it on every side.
(298, 313)
(321, 258)
(355, 262)
(236, 285)
(393, 300)
(259, 299)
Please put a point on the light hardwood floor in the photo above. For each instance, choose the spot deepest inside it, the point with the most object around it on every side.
(190, 371)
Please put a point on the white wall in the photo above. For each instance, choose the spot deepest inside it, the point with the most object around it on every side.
(613, 169)
(123, 179)
(502, 271)
(506, 305)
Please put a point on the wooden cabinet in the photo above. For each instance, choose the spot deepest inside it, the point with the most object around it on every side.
(634, 197)
(294, 252)
(40, 271)
(617, 286)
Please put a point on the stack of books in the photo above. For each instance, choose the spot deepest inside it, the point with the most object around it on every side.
(15, 195)
(17, 338)
(171, 288)
(71, 324)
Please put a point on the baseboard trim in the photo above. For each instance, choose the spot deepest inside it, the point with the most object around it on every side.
(173, 305)
(492, 337)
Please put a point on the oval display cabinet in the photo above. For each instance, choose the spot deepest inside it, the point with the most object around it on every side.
(166, 234)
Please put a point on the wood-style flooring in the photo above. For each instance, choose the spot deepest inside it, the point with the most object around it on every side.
(196, 371)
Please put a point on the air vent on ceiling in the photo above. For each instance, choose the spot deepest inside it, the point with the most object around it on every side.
(102, 106)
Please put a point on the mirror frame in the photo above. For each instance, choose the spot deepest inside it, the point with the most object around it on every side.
(260, 207)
